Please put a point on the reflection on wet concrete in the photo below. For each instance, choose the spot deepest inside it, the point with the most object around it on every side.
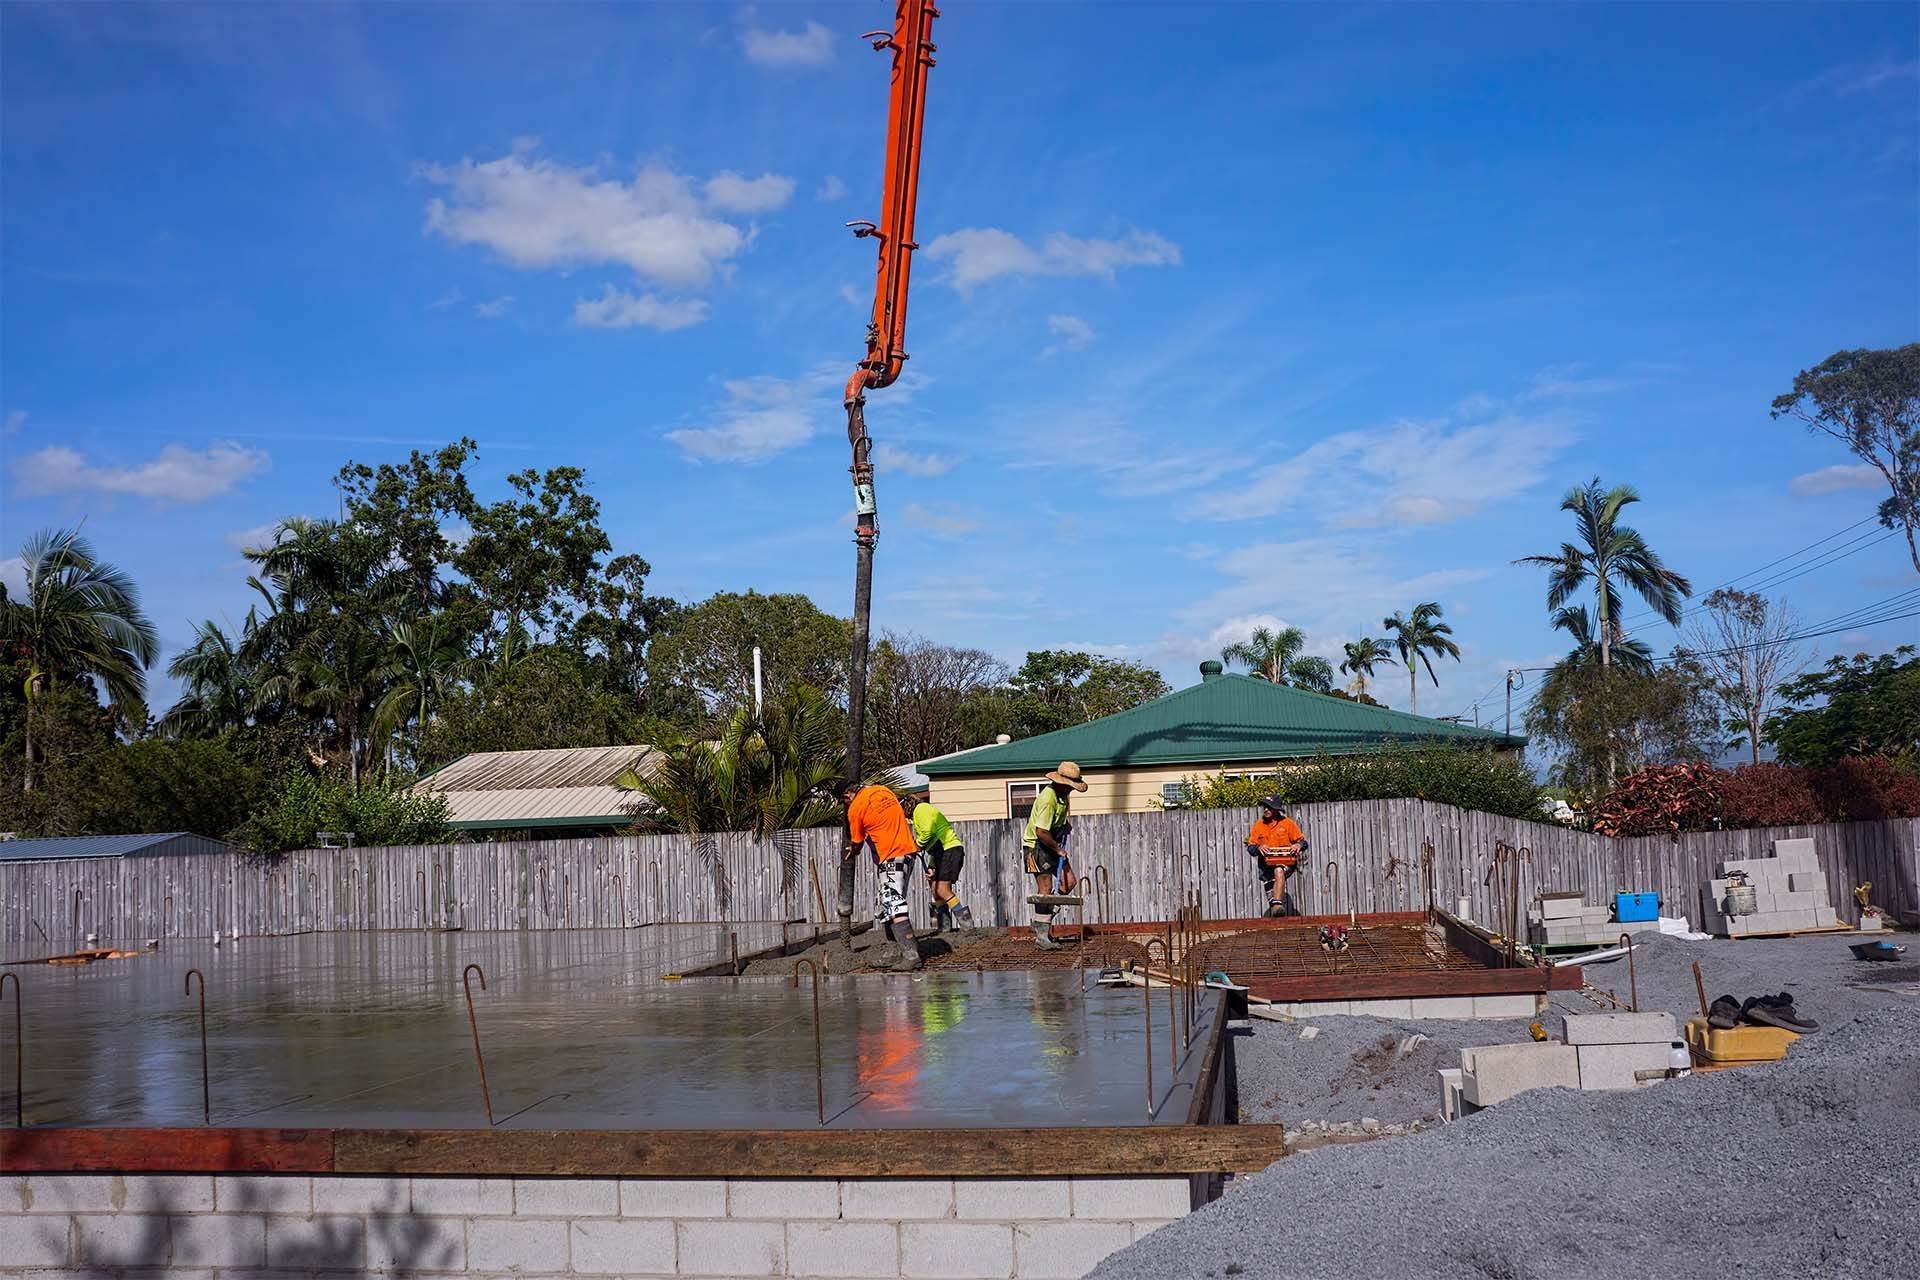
(582, 1030)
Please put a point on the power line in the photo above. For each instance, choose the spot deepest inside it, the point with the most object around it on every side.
(1833, 556)
(1791, 555)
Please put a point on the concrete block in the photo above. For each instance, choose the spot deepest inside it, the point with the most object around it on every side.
(1381, 1008)
(317, 1244)
(413, 1244)
(36, 1241)
(1131, 1197)
(1871, 924)
(1809, 918)
(1494, 1073)
(1613, 1066)
(838, 1249)
(1318, 1008)
(263, 1193)
(673, 1197)
(464, 1197)
(220, 1240)
(731, 1248)
(1800, 846)
(166, 1193)
(1560, 908)
(1003, 1199)
(955, 1250)
(377, 1195)
(783, 1198)
(625, 1247)
(121, 1240)
(1442, 1006)
(520, 1245)
(1596, 915)
(1808, 882)
(1505, 1006)
(1794, 902)
(1066, 1250)
(1621, 1028)
(565, 1197)
(891, 1199)
(73, 1193)
(1451, 1082)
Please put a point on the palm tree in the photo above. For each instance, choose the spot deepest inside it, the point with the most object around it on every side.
(1416, 637)
(218, 680)
(81, 618)
(425, 661)
(1269, 654)
(1363, 655)
(1312, 672)
(1628, 655)
(1610, 555)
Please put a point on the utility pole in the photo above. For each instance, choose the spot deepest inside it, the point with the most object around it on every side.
(1514, 676)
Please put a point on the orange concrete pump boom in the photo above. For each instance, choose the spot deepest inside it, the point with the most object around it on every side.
(886, 332)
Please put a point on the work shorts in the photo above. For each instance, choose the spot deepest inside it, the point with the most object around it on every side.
(943, 865)
(1041, 862)
(893, 889)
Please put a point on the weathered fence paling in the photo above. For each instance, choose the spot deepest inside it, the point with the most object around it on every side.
(1152, 861)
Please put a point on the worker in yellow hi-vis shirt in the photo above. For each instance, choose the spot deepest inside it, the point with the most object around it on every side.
(940, 845)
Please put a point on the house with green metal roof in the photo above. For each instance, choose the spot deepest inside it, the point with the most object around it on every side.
(1139, 759)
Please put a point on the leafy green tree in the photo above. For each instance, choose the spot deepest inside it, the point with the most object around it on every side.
(1056, 688)
(1312, 672)
(1362, 656)
(1870, 402)
(1632, 655)
(546, 698)
(534, 560)
(304, 804)
(1594, 719)
(706, 649)
(409, 508)
(926, 699)
(1418, 636)
(1611, 556)
(72, 732)
(1466, 777)
(1267, 653)
(1853, 706)
(615, 632)
(427, 662)
(80, 619)
(219, 684)
(171, 784)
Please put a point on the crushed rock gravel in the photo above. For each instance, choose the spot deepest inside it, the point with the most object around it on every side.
(1799, 1168)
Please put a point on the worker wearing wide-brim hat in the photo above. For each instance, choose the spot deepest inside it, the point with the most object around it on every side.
(1045, 845)
(1275, 843)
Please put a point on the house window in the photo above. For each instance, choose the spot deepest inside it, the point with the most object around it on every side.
(1020, 798)
(1249, 777)
(1176, 795)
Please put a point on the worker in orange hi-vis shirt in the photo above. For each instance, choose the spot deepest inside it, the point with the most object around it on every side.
(874, 817)
(1275, 843)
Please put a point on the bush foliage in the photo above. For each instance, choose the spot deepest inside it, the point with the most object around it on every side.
(1698, 797)
(306, 804)
(1466, 777)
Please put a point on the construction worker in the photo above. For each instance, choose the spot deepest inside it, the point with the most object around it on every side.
(1045, 845)
(945, 855)
(874, 817)
(1275, 843)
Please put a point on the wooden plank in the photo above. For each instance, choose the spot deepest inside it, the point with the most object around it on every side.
(61, 1150)
(818, 1153)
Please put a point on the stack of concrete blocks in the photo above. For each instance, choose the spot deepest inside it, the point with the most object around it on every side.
(1790, 893)
(1623, 1050)
(1564, 920)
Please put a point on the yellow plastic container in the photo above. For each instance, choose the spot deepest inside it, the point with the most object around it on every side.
(1736, 1046)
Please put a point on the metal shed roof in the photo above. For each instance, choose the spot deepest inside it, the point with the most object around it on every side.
(1224, 718)
(49, 848)
(552, 787)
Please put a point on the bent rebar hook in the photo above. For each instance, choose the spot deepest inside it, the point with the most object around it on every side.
(19, 1050)
(206, 1089)
(819, 1057)
(466, 981)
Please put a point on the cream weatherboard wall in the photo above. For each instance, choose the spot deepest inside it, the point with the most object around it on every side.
(1136, 790)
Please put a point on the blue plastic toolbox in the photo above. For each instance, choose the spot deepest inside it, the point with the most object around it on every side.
(1630, 907)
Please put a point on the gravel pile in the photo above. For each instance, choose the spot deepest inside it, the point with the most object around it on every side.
(1798, 1168)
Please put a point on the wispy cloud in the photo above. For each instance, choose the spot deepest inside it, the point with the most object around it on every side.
(1566, 382)
(891, 457)
(1836, 479)
(851, 295)
(830, 188)
(451, 298)
(1074, 333)
(176, 475)
(618, 309)
(939, 519)
(494, 308)
(810, 46)
(261, 535)
(734, 193)
(974, 255)
(760, 419)
(1851, 79)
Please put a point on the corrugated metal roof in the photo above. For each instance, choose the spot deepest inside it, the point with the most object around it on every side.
(560, 786)
(1227, 718)
(49, 848)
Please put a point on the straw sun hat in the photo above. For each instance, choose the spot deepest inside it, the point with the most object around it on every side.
(1068, 775)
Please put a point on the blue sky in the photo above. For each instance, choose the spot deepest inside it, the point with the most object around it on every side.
(1224, 315)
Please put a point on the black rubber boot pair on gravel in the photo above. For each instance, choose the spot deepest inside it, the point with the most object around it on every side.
(1769, 1011)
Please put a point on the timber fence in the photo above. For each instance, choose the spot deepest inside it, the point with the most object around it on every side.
(1150, 859)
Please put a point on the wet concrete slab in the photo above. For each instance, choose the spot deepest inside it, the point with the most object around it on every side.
(581, 1029)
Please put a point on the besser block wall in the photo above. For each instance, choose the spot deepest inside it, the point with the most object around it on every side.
(172, 1227)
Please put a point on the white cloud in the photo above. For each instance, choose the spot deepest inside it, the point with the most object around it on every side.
(1853, 78)
(13, 575)
(1563, 382)
(618, 309)
(811, 46)
(539, 215)
(176, 474)
(494, 308)
(852, 296)
(891, 457)
(261, 535)
(939, 519)
(733, 193)
(451, 298)
(830, 188)
(975, 255)
(1074, 333)
(762, 417)
(1836, 479)
(16, 419)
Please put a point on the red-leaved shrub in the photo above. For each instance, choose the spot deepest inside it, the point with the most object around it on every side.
(1768, 795)
(1663, 798)
(1866, 788)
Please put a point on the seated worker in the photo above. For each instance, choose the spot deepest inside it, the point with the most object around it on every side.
(940, 843)
(1275, 843)
(1045, 845)
(874, 815)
